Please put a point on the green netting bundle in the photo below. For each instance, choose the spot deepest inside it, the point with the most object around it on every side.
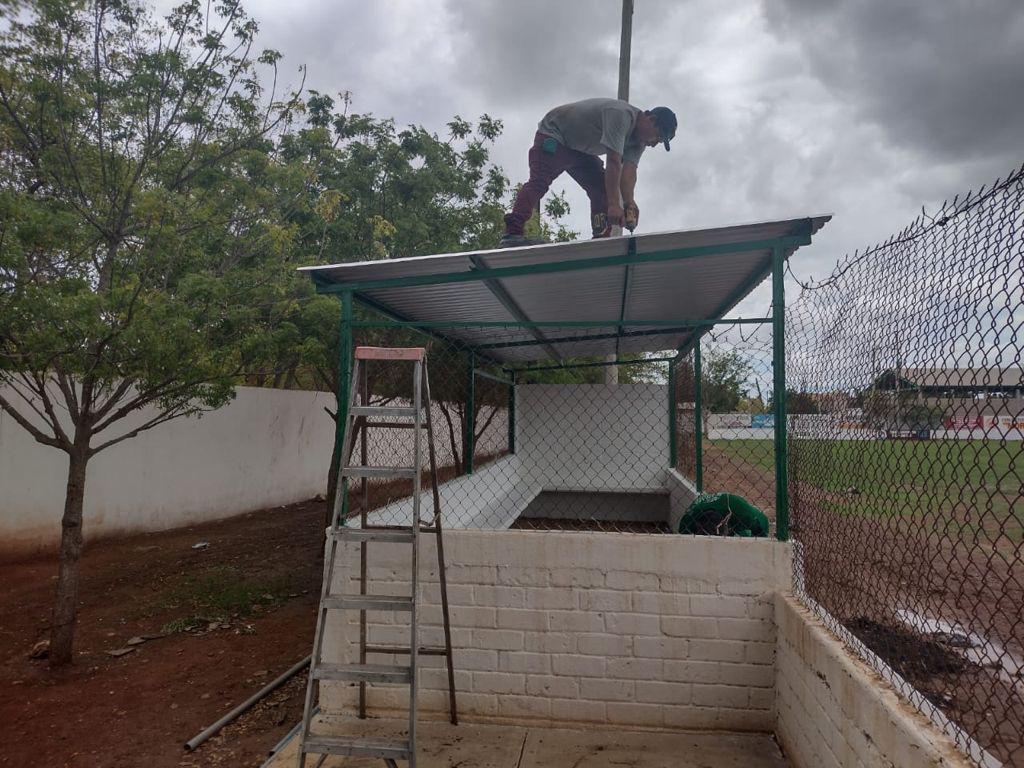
(723, 514)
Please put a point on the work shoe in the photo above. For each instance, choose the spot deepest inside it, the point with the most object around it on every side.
(518, 241)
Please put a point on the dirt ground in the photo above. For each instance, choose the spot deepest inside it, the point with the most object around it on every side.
(235, 614)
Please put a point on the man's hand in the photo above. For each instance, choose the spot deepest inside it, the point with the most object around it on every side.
(632, 217)
(616, 215)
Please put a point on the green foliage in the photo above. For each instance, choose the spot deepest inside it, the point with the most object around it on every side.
(222, 591)
(134, 193)
(725, 375)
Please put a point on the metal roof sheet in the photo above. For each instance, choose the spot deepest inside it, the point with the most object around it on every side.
(662, 276)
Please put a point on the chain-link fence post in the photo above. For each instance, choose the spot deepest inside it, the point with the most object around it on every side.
(779, 387)
(698, 420)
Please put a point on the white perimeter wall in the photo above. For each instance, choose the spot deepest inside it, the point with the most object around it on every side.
(834, 711)
(266, 447)
(627, 629)
(593, 436)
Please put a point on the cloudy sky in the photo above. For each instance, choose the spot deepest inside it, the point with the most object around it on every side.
(867, 109)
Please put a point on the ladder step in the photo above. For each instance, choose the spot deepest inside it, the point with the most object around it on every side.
(355, 747)
(368, 602)
(375, 534)
(363, 673)
(409, 472)
(425, 650)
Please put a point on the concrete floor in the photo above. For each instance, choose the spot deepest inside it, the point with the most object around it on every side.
(475, 745)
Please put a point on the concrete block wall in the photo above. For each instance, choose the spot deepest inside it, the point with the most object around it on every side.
(623, 629)
(833, 710)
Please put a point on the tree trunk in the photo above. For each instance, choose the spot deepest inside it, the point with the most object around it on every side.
(332, 483)
(62, 633)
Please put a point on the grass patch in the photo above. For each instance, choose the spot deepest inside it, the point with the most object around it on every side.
(907, 478)
(218, 592)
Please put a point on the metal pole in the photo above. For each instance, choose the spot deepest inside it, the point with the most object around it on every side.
(270, 687)
(779, 385)
(340, 511)
(672, 451)
(512, 415)
(611, 374)
(698, 421)
(624, 52)
(470, 415)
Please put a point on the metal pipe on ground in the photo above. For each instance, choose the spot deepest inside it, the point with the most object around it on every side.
(246, 705)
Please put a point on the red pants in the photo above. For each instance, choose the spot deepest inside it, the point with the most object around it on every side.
(587, 170)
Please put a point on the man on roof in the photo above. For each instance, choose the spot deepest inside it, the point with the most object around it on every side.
(571, 138)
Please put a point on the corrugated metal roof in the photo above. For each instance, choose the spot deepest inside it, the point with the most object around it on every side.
(663, 276)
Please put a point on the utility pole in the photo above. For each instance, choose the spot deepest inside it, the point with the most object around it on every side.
(611, 372)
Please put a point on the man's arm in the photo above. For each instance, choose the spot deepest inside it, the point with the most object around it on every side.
(628, 182)
(613, 176)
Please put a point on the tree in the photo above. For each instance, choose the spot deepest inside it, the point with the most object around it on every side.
(356, 187)
(797, 402)
(724, 377)
(134, 227)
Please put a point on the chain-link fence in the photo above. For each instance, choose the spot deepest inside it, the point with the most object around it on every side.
(545, 445)
(906, 467)
(734, 451)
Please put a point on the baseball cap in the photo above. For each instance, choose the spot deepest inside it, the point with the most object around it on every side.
(665, 119)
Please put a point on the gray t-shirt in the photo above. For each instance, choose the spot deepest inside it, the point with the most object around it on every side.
(595, 126)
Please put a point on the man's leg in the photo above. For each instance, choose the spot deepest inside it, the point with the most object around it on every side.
(588, 171)
(544, 168)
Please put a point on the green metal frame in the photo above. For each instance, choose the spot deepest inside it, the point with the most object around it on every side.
(673, 453)
(344, 390)
(777, 247)
(470, 420)
(512, 415)
(779, 385)
(698, 420)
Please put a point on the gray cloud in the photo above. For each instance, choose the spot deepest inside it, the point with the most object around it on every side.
(945, 78)
(787, 107)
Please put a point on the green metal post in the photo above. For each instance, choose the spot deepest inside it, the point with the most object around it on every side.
(672, 456)
(344, 391)
(779, 388)
(470, 415)
(512, 415)
(698, 421)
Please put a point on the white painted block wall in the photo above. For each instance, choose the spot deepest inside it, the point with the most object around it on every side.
(835, 712)
(266, 447)
(593, 436)
(626, 629)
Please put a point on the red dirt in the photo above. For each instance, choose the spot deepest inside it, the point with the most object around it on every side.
(141, 708)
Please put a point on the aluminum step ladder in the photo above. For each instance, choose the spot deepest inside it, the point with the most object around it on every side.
(359, 413)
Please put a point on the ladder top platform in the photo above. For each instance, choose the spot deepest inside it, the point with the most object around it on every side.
(390, 353)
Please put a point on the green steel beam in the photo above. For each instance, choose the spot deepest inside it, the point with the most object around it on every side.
(492, 377)
(498, 273)
(424, 324)
(698, 420)
(498, 291)
(627, 282)
(779, 385)
(344, 392)
(570, 366)
(672, 451)
(467, 453)
(512, 415)
(593, 337)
